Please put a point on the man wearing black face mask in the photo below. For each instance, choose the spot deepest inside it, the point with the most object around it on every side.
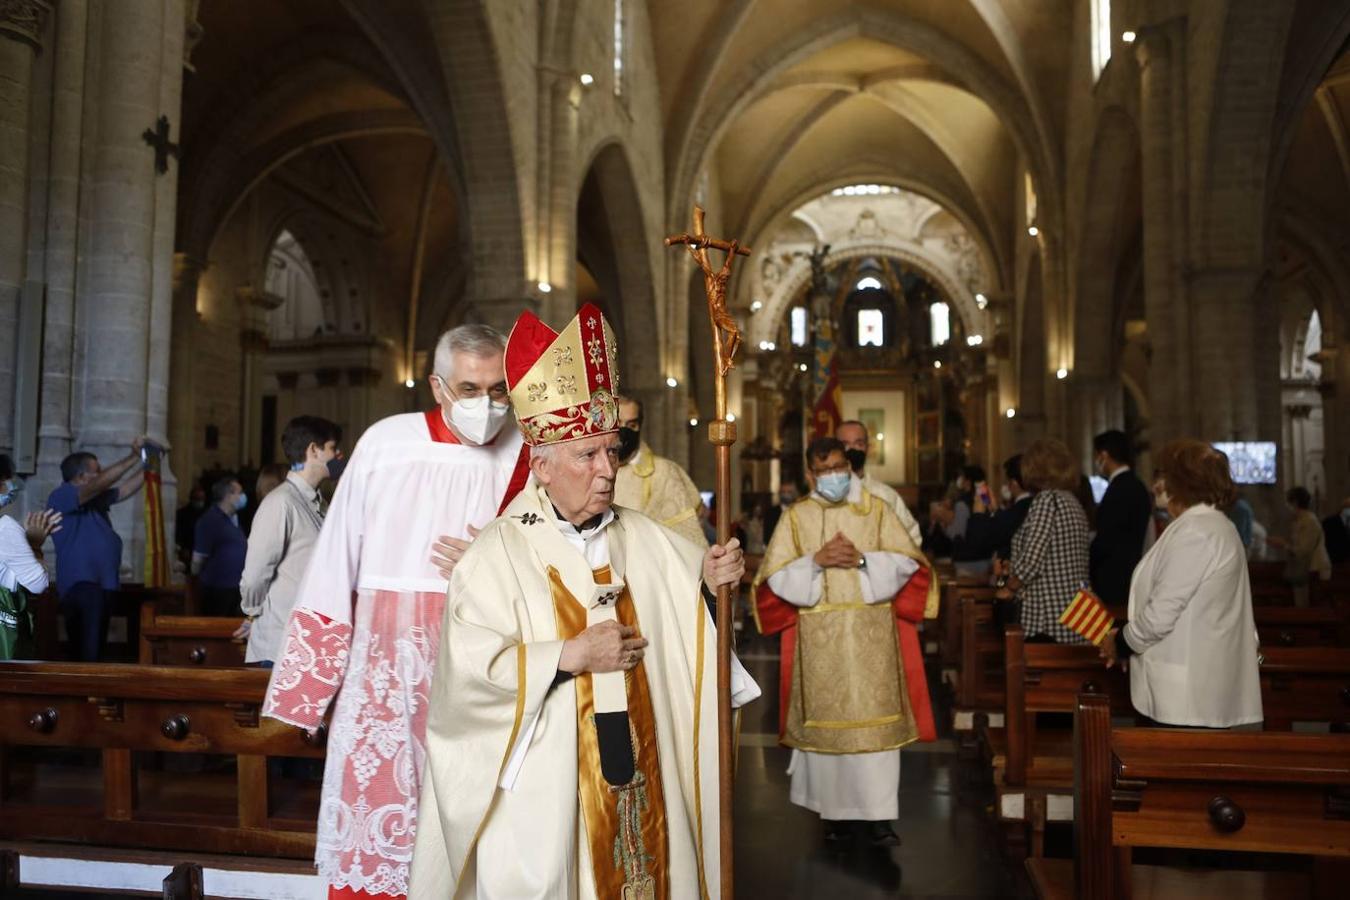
(651, 484)
(853, 434)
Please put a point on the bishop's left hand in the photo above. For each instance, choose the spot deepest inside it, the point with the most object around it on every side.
(447, 552)
(723, 565)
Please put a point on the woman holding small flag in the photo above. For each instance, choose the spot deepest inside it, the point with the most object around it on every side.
(1191, 631)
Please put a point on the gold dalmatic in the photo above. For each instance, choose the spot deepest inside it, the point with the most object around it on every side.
(625, 824)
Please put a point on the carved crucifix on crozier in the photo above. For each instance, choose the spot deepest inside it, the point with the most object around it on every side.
(164, 148)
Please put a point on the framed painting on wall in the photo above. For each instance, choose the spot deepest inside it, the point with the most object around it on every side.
(875, 420)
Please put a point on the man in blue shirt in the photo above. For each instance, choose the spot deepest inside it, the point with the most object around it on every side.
(219, 548)
(88, 550)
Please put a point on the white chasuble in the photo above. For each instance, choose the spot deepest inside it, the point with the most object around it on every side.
(497, 704)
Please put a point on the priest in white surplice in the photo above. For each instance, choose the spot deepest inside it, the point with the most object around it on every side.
(844, 586)
(366, 625)
(573, 726)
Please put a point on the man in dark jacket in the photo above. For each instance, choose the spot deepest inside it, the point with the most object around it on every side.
(1122, 519)
(990, 532)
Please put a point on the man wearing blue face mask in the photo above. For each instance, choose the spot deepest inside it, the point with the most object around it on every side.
(845, 586)
(219, 547)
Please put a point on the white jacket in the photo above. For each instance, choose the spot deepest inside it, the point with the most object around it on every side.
(1191, 626)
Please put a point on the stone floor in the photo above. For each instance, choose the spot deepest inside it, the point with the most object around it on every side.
(948, 849)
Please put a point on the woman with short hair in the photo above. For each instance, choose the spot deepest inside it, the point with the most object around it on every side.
(1049, 562)
(1191, 631)
(22, 574)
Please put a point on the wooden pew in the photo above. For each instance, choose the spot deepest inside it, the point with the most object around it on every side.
(124, 716)
(1305, 684)
(1258, 792)
(979, 677)
(1033, 767)
(188, 640)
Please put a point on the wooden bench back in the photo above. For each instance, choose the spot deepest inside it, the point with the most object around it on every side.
(122, 710)
(1305, 684)
(168, 640)
(1048, 678)
(1200, 789)
(980, 653)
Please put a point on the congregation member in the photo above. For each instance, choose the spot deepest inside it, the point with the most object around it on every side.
(572, 737)
(219, 548)
(788, 493)
(23, 577)
(651, 484)
(1306, 546)
(365, 626)
(270, 477)
(185, 523)
(88, 549)
(844, 585)
(1336, 529)
(1122, 519)
(990, 531)
(1191, 635)
(857, 441)
(285, 530)
(1049, 560)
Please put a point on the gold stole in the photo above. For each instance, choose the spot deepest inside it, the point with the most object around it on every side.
(626, 825)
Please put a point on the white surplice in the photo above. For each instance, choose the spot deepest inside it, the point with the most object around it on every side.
(843, 786)
(500, 816)
(365, 631)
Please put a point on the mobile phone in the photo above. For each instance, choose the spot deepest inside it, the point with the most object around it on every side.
(982, 490)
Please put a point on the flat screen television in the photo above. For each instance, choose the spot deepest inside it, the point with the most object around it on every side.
(1251, 462)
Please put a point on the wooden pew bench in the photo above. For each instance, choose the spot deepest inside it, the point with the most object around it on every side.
(94, 754)
(1257, 792)
(168, 640)
(978, 681)
(1305, 684)
(1033, 766)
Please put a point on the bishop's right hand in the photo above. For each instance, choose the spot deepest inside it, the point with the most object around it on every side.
(606, 647)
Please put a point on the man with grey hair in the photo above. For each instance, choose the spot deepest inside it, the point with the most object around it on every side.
(365, 629)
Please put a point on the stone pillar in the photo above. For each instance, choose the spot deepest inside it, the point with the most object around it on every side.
(118, 285)
(63, 212)
(21, 23)
(187, 273)
(1164, 303)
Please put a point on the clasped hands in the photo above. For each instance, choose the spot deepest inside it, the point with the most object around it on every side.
(838, 553)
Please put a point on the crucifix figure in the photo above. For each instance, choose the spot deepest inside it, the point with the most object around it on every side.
(159, 139)
(721, 434)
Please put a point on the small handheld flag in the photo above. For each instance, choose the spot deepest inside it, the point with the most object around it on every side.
(1088, 616)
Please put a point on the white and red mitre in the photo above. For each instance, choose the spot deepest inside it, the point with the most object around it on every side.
(563, 384)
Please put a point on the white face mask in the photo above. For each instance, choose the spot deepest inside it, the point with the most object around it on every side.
(478, 419)
(1005, 493)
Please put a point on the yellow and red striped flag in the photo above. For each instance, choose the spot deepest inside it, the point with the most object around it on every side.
(1088, 616)
(156, 554)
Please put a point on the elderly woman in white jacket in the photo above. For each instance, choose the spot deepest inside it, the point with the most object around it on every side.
(1190, 631)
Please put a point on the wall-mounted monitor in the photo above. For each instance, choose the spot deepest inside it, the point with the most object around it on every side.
(1251, 462)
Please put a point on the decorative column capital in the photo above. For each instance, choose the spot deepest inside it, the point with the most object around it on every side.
(22, 20)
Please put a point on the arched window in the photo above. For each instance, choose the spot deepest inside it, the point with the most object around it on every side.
(939, 323)
(797, 326)
(290, 275)
(619, 23)
(871, 328)
(1101, 36)
(869, 284)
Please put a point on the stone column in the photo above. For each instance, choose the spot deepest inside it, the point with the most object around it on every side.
(63, 212)
(1164, 302)
(21, 23)
(187, 273)
(117, 290)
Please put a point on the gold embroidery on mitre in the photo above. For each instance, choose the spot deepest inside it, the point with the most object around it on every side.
(568, 393)
(538, 391)
(562, 356)
(567, 384)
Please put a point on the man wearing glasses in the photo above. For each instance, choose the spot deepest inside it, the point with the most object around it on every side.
(367, 619)
(845, 586)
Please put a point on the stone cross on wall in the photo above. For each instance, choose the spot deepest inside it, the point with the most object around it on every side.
(159, 139)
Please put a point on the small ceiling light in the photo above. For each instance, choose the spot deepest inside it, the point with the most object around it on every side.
(410, 383)
(1010, 412)
(545, 287)
(801, 367)
(731, 417)
(693, 422)
(1061, 373)
(671, 382)
(974, 340)
(756, 306)
(1127, 36)
(981, 301)
(1033, 230)
(937, 363)
(881, 436)
(587, 79)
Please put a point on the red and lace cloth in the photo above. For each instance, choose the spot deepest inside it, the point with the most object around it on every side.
(376, 739)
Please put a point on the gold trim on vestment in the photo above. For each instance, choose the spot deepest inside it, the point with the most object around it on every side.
(811, 748)
(846, 723)
(837, 607)
(679, 517)
(625, 824)
(698, 721)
